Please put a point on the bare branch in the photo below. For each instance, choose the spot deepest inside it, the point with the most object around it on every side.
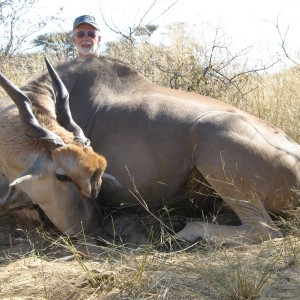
(160, 15)
(282, 36)
(135, 27)
(146, 13)
(18, 26)
(115, 28)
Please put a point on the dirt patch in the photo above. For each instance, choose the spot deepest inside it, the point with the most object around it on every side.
(38, 263)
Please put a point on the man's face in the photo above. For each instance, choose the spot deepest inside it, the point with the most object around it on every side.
(86, 39)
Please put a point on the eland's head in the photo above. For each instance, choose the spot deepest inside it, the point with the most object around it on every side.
(48, 157)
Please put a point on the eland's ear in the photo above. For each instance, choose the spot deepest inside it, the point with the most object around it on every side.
(34, 171)
(111, 182)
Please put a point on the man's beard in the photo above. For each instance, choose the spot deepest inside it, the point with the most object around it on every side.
(87, 51)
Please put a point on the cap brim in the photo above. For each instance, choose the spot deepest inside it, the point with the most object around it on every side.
(94, 25)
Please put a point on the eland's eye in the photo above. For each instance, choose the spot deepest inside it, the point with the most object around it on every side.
(62, 177)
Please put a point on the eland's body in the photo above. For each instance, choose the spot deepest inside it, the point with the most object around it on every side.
(153, 137)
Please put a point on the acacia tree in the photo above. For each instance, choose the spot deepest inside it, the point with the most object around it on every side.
(57, 43)
(17, 25)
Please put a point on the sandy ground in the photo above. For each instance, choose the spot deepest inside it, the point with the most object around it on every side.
(37, 263)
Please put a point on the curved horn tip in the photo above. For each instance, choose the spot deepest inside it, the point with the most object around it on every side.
(46, 61)
(49, 66)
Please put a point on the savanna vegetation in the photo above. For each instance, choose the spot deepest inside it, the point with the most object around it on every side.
(37, 262)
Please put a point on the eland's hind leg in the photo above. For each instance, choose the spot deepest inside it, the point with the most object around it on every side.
(256, 226)
(245, 198)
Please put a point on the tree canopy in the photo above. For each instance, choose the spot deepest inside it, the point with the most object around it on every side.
(18, 26)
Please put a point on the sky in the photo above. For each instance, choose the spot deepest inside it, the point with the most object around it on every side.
(247, 23)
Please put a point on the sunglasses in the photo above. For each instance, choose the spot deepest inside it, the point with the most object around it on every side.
(91, 33)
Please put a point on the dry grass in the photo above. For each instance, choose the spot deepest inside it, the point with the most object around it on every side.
(24, 67)
(274, 98)
(41, 264)
(120, 273)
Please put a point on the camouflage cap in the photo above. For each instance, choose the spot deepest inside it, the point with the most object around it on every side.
(85, 19)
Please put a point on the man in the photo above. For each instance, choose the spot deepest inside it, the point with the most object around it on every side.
(86, 36)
